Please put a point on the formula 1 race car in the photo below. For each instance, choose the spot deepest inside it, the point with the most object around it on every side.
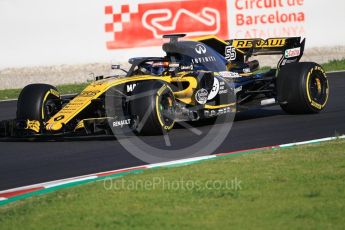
(198, 79)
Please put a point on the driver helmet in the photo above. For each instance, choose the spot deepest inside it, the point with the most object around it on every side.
(158, 68)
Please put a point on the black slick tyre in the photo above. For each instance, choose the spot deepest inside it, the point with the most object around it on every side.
(302, 88)
(154, 105)
(38, 102)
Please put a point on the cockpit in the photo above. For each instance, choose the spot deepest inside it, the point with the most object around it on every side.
(180, 56)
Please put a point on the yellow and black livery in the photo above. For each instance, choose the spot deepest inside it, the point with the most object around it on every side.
(196, 80)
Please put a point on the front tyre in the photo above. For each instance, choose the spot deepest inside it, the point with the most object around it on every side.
(302, 88)
(154, 104)
(38, 102)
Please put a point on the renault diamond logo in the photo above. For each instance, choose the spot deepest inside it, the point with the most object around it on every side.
(200, 49)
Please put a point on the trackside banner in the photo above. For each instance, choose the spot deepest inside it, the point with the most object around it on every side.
(144, 24)
(47, 32)
(268, 18)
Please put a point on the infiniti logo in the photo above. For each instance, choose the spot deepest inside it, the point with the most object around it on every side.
(200, 49)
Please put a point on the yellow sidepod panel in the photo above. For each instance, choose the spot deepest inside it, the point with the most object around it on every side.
(93, 91)
(186, 94)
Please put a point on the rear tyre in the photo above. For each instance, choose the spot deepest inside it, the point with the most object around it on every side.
(302, 88)
(38, 102)
(154, 105)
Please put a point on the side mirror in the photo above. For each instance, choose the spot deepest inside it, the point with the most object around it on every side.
(115, 66)
(118, 67)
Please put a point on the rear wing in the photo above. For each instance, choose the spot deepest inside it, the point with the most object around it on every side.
(240, 50)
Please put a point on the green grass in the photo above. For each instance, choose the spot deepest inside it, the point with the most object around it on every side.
(76, 88)
(9, 93)
(63, 89)
(263, 69)
(334, 65)
(296, 188)
(71, 88)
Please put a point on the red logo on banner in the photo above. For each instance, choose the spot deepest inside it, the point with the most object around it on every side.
(144, 24)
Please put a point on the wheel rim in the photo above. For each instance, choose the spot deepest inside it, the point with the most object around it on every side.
(50, 109)
(318, 88)
(166, 109)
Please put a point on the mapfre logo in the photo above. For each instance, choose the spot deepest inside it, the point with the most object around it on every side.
(144, 24)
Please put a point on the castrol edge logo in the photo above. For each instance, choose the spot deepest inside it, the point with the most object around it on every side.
(144, 24)
(290, 53)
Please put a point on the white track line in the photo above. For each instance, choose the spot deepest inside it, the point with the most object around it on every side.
(337, 71)
(183, 161)
(64, 181)
(6, 100)
(70, 181)
(312, 141)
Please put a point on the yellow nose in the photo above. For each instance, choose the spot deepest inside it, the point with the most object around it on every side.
(54, 127)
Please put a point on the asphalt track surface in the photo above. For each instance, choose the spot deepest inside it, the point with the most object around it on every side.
(26, 163)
